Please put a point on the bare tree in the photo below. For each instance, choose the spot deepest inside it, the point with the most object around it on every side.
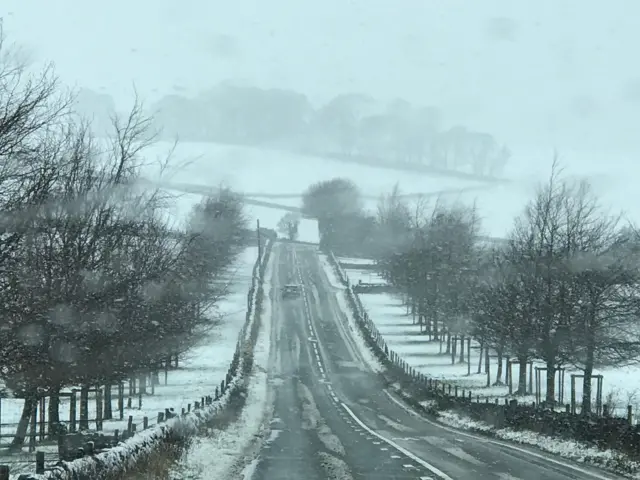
(32, 108)
(289, 224)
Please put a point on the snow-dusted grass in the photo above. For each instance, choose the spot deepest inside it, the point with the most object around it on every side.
(140, 448)
(356, 261)
(198, 375)
(621, 386)
(356, 332)
(230, 443)
(572, 450)
(255, 170)
(262, 173)
(364, 276)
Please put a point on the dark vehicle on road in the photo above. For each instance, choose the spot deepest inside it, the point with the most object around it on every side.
(291, 291)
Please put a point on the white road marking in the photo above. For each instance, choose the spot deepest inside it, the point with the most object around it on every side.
(495, 442)
(404, 451)
(462, 455)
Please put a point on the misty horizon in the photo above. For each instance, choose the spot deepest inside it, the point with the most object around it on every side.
(553, 76)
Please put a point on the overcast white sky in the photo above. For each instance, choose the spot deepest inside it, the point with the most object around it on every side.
(546, 73)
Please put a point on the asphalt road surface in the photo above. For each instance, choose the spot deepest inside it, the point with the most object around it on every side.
(333, 419)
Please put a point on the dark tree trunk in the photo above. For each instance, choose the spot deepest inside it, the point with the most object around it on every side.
(522, 376)
(499, 370)
(107, 411)
(53, 422)
(454, 348)
(487, 365)
(29, 406)
(588, 374)
(436, 333)
(83, 421)
(551, 384)
(142, 384)
(461, 360)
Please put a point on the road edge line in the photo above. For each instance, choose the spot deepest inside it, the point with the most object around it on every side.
(408, 409)
(402, 450)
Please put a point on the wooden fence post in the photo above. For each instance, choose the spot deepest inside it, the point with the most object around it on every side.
(39, 462)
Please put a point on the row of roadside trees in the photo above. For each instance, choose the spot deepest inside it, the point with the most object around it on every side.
(97, 284)
(563, 289)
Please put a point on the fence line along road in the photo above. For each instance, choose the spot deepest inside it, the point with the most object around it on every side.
(67, 445)
(603, 431)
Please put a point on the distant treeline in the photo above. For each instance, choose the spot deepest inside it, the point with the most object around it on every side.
(348, 126)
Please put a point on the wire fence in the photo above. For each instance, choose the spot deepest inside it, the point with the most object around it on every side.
(602, 430)
(72, 437)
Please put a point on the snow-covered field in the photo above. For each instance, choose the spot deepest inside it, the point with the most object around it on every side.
(356, 261)
(198, 374)
(262, 173)
(364, 275)
(180, 205)
(253, 170)
(269, 218)
(621, 386)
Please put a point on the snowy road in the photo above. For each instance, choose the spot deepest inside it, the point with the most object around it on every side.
(334, 419)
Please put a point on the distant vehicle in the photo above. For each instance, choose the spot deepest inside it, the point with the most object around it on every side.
(291, 291)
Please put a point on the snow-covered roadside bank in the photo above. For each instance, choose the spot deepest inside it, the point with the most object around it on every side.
(571, 450)
(410, 386)
(357, 334)
(579, 452)
(219, 453)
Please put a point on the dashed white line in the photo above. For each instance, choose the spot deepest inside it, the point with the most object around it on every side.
(400, 449)
(495, 442)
